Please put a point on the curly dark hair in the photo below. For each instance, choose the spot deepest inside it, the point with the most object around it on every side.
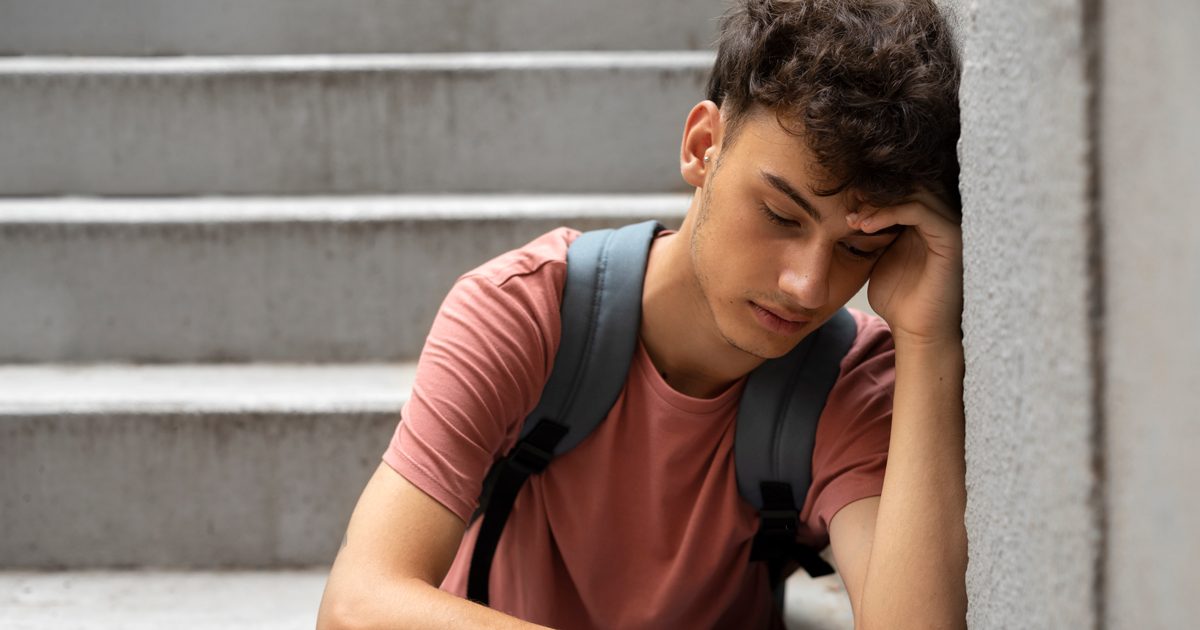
(870, 85)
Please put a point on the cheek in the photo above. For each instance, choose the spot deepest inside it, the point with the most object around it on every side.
(845, 280)
(723, 277)
(735, 254)
(749, 273)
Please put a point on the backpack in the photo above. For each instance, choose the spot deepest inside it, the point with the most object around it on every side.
(601, 313)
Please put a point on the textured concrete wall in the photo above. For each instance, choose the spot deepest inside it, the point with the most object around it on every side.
(1029, 394)
(1150, 143)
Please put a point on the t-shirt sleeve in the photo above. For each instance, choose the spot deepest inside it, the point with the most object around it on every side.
(850, 453)
(488, 356)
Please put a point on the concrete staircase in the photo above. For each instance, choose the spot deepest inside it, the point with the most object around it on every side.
(225, 228)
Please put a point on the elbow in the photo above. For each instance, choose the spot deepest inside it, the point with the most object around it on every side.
(377, 605)
(341, 612)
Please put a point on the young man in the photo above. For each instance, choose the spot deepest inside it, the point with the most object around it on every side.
(824, 157)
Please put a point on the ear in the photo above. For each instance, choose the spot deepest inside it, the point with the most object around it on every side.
(701, 138)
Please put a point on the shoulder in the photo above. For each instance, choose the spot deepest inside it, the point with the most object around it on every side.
(867, 375)
(544, 256)
(484, 364)
(850, 453)
(510, 301)
(872, 341)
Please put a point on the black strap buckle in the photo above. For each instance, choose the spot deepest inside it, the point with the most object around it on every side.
(779, 522)
(776, 535)
(529, 459)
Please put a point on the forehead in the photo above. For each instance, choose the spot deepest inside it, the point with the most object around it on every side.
(760, 142)
(761, 146)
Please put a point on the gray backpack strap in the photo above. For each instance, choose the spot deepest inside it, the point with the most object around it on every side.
(776, 432)
(601, 314)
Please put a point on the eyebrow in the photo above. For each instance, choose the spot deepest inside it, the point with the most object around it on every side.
(778, 183)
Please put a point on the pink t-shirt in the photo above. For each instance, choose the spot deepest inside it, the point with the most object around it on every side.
(640, 526)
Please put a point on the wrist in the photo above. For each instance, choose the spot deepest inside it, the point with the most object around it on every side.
(940, 342)
(943, 355)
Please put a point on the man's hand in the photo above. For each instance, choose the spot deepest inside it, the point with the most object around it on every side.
(916, 286)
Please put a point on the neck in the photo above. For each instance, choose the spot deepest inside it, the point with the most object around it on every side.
(677, 327)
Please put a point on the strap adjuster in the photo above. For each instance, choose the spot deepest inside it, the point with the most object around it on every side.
(778, 522)
(529, 459)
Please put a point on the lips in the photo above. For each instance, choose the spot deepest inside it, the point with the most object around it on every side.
(780, 324)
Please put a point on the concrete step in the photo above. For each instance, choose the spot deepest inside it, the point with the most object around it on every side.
(258, 27)
(260, 600)
(155, 600)
(260, 279)
(817, 603)
(253, 465)
(471, 122)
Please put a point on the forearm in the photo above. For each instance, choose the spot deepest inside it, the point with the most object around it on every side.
(915, 575)
(410, 604)
(399, 545)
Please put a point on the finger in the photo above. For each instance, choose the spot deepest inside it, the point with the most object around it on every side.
(923, 196)
(916, 214)
(938, 205)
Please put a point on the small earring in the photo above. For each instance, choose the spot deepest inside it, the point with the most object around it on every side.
(706, 159)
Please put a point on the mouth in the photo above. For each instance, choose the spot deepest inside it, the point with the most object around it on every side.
(779, 322)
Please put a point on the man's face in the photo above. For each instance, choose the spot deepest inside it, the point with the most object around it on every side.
(773, 259)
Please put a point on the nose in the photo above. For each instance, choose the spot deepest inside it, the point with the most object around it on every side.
(805, 275)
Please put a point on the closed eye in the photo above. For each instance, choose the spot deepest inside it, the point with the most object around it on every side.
(775, 218)
(850, 250)
(855, 252)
